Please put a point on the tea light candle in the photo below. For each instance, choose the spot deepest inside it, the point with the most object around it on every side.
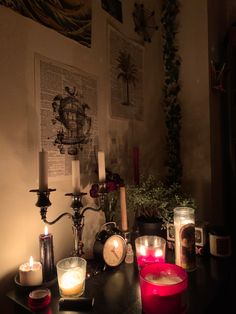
(101, 167)
(46, 255)
(184, 223)
(162, 287)
(150, 249)
(72, 282)
(30, 273)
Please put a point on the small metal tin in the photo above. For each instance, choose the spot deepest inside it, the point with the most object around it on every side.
(39, 299)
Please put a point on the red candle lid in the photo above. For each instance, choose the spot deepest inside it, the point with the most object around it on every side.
(39, 299)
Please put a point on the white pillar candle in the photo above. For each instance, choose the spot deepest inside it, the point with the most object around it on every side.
(101, 167)
(43, 171)
(123, 209)
(184, 223)
(30, 273)
(76, 176)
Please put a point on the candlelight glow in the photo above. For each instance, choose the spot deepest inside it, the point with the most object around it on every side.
(31, 262)
(72, 282)
(158, 253)
(142, 250)
(45, 230)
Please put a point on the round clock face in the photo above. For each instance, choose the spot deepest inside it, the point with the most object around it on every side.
(114, 250)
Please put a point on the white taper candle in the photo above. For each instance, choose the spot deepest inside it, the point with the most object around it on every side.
(76, 176)
(101, 167)
(43, 171)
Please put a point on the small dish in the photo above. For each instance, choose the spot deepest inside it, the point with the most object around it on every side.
(27, 289)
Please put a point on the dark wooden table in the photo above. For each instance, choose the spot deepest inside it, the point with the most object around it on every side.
(211, 290)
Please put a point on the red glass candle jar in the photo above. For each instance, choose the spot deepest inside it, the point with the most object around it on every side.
(149, 250)
(163, 289)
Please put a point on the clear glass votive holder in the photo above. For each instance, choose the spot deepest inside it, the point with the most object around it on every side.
(71, 274)
(150, 249)
(163, 289)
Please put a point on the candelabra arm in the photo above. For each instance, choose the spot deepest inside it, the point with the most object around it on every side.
(90, 208)
(43, 212)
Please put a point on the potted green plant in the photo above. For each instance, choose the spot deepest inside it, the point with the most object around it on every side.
(152, 203)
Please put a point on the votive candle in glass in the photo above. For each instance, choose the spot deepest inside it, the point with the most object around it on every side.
(184, 222)
(71, 273)
(163, 289)
(150, 249)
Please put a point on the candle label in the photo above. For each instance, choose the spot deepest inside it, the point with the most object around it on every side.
(187, 246)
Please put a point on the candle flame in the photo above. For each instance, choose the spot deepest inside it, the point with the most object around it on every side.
(116, 244)
(31, 262)
(45, 230)
(142, 250)
(158, 253)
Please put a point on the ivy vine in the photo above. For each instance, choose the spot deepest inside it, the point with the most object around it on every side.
(171, 89)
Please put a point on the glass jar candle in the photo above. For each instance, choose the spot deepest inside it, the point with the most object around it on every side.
(163, 289)
(150, 249)
(184, 222)
(71, 274)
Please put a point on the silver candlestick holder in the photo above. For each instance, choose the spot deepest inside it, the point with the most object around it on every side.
(77, 216)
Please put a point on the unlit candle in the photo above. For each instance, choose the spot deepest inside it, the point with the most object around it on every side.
(76, 176)
(101, 167)
(43, 171)
(123, 209)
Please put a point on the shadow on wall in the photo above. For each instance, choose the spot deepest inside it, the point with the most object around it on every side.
(202, 196)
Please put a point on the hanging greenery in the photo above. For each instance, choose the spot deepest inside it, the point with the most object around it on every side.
(172, 108)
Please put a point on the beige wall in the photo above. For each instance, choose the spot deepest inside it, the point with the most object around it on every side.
(20, 39)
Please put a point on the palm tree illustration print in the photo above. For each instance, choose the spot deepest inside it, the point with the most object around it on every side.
(127, 72)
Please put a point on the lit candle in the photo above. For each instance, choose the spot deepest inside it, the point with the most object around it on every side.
(162, 287)
(46, 255)
(101, 167)
(76, 176)
(184, 223)
(123, 209)
(72, 282)
(43, 171)
(71, 274)
(30, 273)
(149, 250)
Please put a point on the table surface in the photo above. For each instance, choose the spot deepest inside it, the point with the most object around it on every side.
(211, 289)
